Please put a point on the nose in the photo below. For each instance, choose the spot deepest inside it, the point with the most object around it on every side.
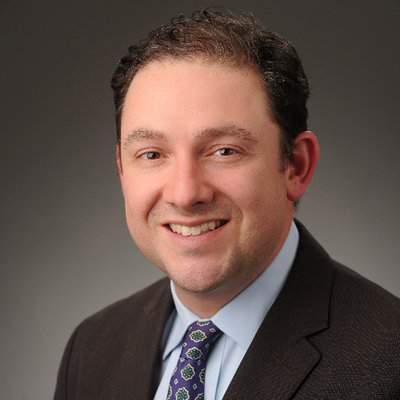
(187, 185)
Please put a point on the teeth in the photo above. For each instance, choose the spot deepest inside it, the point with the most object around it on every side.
(212, 225)
(186, 231)
(195, 230)
(204, 227)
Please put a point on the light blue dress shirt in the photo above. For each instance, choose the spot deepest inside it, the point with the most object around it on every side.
(239, 321)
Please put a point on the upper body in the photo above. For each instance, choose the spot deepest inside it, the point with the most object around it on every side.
(213, 153)
(330, 334)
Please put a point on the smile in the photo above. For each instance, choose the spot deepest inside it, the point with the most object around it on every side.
(198, 229)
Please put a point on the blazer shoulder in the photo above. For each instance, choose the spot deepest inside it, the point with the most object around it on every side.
(364, 293)
(352, 295)
(362, 310)
(106, 346)
(133, 305)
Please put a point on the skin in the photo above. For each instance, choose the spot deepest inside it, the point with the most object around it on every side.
(198, 145)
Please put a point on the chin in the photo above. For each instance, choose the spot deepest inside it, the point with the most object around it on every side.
(199, 281)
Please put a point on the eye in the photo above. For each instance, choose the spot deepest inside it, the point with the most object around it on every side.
(226, 151)
(150, 155)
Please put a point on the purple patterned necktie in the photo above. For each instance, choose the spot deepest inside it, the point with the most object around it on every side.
(187, 381)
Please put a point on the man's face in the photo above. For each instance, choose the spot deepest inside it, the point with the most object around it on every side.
(200, 162)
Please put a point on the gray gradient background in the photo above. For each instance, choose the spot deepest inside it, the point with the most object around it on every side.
(65, 250)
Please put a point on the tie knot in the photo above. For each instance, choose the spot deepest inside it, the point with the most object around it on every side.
(199, 340)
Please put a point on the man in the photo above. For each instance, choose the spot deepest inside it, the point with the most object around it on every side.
(213, 152)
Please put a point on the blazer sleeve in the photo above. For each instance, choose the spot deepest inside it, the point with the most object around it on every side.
(63, 377)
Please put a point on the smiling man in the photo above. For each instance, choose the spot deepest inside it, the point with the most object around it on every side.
(213, 151)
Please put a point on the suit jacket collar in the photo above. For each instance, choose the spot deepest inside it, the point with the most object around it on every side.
(280, 357)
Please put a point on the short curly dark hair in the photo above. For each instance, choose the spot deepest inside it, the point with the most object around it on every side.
(236, 40)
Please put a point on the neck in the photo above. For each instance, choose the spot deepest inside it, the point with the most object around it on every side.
(205, 305)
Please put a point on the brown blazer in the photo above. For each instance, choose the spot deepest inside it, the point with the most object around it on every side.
(331, 334)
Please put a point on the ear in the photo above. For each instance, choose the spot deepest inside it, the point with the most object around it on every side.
(119, 161)
(302, 165)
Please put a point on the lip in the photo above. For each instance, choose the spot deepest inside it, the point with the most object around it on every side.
(195, 242)
(194, 223)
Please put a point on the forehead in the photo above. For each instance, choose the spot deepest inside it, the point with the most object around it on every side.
(193, 96)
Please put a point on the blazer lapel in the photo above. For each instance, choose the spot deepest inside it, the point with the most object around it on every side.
(141, 363)
(280, 357)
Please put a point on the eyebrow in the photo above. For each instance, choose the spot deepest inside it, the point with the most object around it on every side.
(141, 134)
(231, 130)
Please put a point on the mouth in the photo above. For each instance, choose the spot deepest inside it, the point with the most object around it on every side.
(196, 230)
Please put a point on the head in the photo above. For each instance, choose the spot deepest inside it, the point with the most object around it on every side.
(236, 41)
(212, 150)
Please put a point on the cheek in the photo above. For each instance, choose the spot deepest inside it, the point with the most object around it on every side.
(255, 190)
(140, 194)
(137, 205)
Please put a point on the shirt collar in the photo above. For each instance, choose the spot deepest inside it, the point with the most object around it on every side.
(233, 319)
(183, 319)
